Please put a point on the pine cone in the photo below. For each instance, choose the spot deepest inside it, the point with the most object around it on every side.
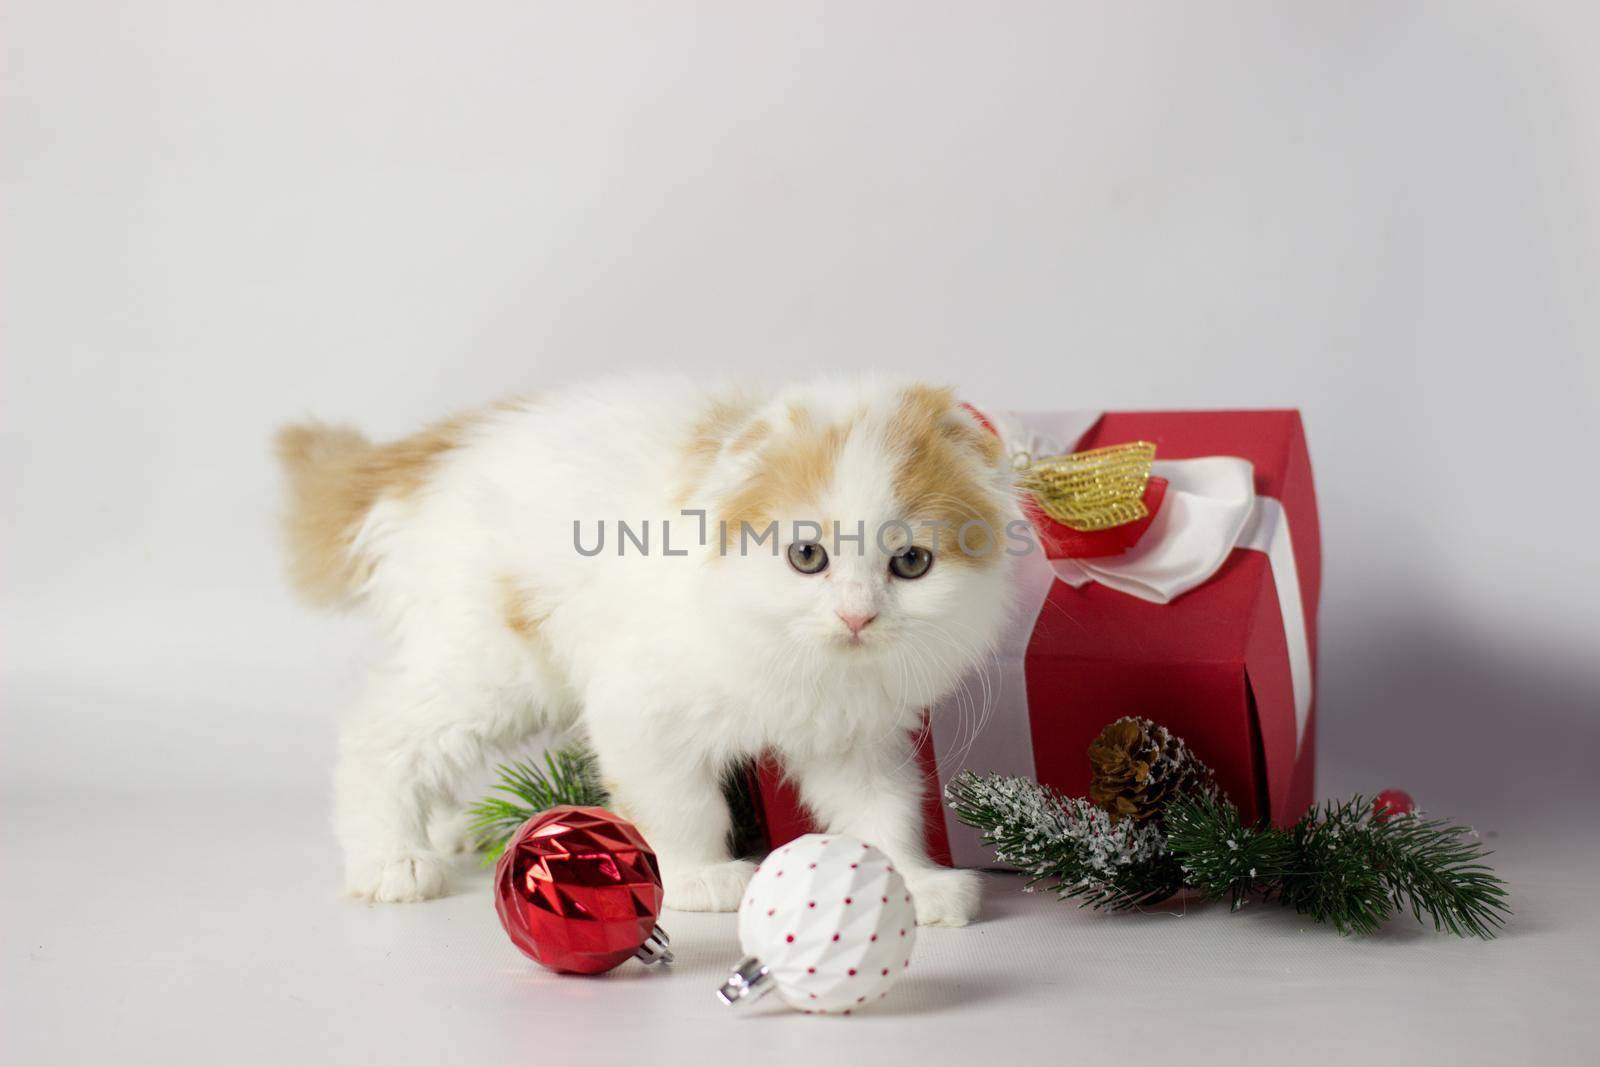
(1138, 766)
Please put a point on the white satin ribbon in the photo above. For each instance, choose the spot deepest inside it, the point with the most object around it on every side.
(1210, 509)
(1207, 504)
(1267, 530)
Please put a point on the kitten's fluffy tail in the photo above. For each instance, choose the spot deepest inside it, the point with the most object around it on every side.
(330, 491)
(335, 476)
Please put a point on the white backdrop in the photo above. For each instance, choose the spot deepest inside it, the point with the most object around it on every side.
(220, 216)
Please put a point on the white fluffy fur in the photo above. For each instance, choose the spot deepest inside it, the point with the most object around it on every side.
(673, 666)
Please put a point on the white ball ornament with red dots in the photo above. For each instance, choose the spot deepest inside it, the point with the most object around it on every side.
(826, 921)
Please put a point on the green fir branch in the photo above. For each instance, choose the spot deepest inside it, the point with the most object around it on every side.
(1220, 856)
(1331, 876)
(1426, 867)
(1067, 844)
(569, 776)
(1340, 864)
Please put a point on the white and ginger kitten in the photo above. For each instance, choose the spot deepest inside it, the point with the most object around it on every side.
(464, 543)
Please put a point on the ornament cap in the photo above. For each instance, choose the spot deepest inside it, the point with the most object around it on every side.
(657, 948)
(749, 981)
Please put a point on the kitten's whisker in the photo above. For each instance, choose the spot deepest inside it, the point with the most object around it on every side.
(973, 717)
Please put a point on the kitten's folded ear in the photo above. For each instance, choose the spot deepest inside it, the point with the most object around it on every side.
(726, 442)
(973, 431)
(958, 422)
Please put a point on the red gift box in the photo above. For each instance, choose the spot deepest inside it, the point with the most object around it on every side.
(1228, 664)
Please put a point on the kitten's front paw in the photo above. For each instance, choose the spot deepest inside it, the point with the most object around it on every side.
(397, 877)
(715, 888)
(946, 898)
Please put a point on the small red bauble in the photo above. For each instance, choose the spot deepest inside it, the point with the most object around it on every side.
(1392, 802)
(579, 890)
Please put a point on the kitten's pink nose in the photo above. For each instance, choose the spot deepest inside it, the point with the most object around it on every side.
(857, 623)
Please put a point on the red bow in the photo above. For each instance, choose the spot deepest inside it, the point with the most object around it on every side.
(1063, 542)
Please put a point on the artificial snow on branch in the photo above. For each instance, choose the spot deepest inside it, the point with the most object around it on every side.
(1066, 844)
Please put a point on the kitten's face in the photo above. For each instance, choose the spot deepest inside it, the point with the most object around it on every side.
(891, 508)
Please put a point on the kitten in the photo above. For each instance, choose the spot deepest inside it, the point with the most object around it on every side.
(474, 544)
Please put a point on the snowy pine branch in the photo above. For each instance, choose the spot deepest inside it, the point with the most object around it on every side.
(1340, 864)
(1066, 843)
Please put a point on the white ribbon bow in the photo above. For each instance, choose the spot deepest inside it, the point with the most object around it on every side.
(1207, 505)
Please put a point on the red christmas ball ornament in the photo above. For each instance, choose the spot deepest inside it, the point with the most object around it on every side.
(1392, 802)
(579, 890)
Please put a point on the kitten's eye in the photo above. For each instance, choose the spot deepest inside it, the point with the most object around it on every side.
(808, 557)
(912, 563)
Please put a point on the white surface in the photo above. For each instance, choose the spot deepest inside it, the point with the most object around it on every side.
(214, 217)
(139, 932)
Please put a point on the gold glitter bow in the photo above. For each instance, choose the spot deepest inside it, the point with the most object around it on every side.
(1093, 490)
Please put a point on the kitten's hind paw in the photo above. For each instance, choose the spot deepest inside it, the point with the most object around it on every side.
(715, 888)
(946, 898)
(397, 877)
